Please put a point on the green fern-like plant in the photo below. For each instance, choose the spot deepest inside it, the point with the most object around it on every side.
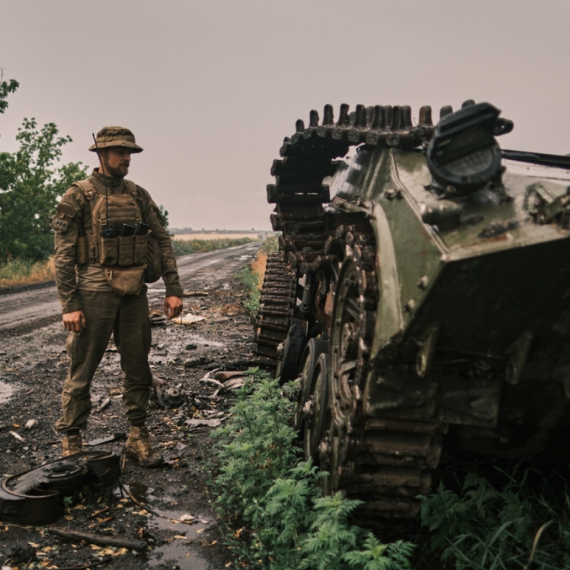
(262, 486)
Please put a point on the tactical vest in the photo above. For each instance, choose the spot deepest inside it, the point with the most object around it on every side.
(123, 256)
(120, 213)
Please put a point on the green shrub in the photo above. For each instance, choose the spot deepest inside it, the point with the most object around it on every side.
(252, 280)
(516, 526)
(263, 486)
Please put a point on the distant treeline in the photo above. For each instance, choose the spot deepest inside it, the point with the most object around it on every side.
(184, 247)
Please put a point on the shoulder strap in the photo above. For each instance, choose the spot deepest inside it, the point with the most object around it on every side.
(87, 188)
(131, 188)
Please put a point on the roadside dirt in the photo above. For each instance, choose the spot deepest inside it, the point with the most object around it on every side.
(33, 365)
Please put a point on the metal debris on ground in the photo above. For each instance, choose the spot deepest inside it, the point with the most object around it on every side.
(188, 319)
(34, 497)
(157, 319)
(110, 438)
(167, 396)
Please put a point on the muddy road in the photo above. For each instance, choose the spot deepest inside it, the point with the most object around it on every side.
(31, 306)
(33, 365)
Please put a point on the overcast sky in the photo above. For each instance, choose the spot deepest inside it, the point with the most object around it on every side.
(210, 88)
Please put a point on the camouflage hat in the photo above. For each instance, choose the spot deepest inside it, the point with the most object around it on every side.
(116, 137)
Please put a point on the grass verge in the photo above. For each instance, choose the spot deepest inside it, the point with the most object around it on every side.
(23, 272)
(252, 275)
(269, 501)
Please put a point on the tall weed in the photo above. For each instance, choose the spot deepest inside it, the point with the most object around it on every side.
(264, 487)
(518, 526)
(24, 272)
(252, 275)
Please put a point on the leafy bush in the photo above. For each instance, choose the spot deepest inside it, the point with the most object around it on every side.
(517, 526)
(263, 486)
(252, 280)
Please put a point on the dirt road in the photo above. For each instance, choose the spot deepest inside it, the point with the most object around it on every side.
(33, 365)
(33, 305)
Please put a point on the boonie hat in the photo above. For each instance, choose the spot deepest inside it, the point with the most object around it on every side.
(116, 137)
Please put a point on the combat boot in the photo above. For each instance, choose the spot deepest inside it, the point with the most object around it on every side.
(138, 448)
(71, 444)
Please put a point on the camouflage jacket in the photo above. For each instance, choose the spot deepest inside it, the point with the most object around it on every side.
(73, 217)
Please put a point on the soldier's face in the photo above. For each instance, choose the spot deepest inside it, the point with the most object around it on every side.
(115, 162)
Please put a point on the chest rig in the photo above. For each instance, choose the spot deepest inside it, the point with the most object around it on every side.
(114, 236)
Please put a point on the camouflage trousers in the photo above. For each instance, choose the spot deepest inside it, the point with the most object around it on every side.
(127, 318)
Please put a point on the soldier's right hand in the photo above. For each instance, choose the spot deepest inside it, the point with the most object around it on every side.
(74, 321)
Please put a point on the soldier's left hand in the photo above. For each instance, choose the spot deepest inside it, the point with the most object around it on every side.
(172, 306)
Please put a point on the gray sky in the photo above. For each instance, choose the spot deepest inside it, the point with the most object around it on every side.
(211, 88)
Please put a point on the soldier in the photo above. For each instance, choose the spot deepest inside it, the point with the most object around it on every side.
(104, 228)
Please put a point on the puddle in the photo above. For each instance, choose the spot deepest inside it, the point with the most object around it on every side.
(6, 392)
(201, 341)
(179, 553)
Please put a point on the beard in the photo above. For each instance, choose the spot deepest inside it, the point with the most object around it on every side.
(117, 171)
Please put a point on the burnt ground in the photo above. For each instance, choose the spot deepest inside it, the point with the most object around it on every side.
(33, 365)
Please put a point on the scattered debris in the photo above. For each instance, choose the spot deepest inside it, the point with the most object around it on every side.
(104, 404)
(167, 396)
(34, 497)
(207, 380)
(157, 318)
(18, 436)
(227, 375)
(188, 319)
(234, 384)
(101, 440)
(31, 424)
(209, 423)
(19, 553)
(195, 294)
(93, 538)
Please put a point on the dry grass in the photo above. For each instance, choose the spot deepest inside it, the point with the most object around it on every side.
(258, 267)
(215, 235)
(20, 272)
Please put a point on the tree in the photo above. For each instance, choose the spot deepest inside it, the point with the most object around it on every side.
(30, 186)
(6, 87)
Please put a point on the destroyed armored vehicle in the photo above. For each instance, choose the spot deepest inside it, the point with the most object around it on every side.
(426, 304)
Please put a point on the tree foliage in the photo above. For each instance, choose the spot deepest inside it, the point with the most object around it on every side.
(6, 87)
(30, 186)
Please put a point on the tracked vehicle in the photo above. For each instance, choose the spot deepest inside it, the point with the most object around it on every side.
(421, 294)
